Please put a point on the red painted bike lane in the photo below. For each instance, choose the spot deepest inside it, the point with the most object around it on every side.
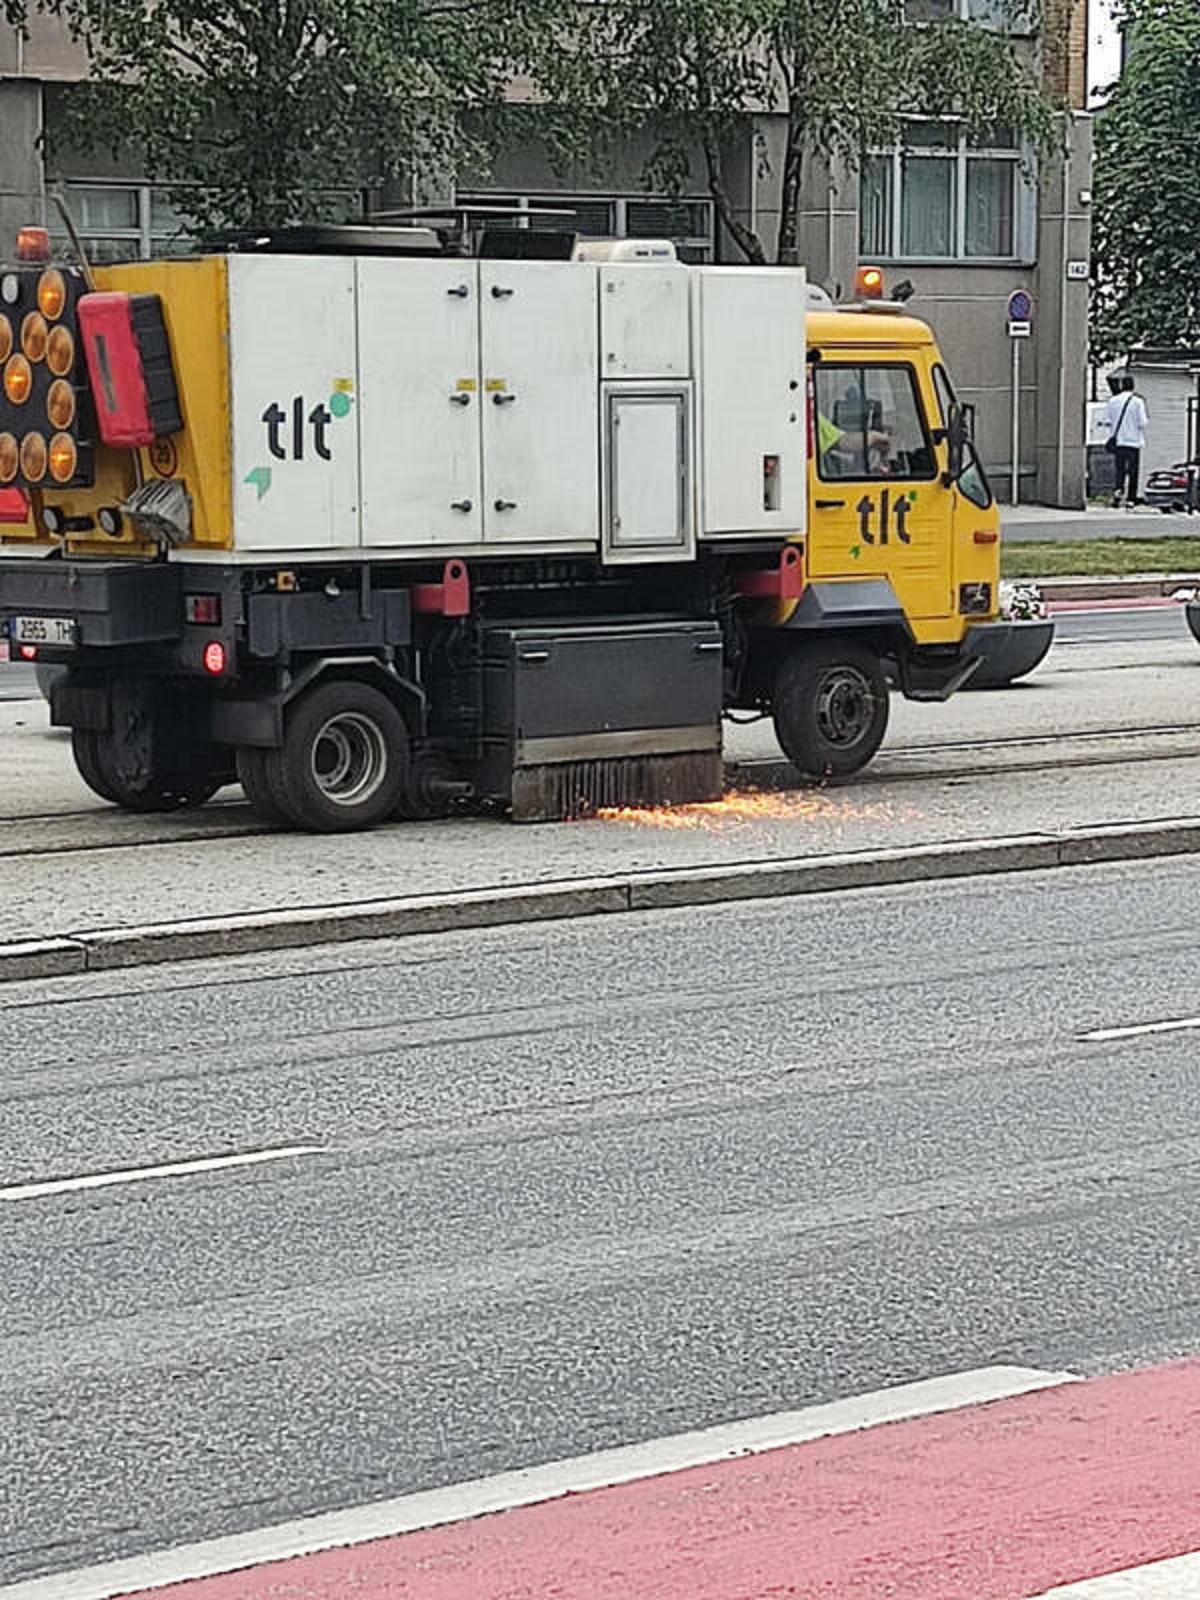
(991, 1502)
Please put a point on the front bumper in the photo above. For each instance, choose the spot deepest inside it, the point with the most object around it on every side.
(1007, 651)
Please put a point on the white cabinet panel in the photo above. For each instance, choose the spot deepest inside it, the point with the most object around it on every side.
(419, 378)
(648, 481)
(750, 353)
(540, 402)
(645, 327)
(294, 402)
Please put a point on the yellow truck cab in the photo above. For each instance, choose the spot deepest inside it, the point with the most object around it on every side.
(374, 526)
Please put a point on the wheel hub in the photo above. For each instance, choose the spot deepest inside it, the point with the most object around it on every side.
(845, 705)
(349, 759)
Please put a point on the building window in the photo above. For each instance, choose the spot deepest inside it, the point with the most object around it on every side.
(688, 223)
(940, 196)
(998, 14)
(126, 221)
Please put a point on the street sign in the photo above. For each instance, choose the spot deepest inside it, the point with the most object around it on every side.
(1020, 330)
(1077, 271)
(1020, 306)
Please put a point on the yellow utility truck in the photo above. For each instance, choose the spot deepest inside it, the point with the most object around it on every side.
(375, 527)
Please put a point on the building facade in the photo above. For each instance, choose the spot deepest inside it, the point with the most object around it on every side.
(965, 225)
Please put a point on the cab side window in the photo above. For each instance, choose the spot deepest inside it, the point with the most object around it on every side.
(869, 424)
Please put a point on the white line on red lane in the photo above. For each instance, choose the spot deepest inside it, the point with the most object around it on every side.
(1138, 1030)
(535, 1485)
(171, 1169)
(1178, 1579)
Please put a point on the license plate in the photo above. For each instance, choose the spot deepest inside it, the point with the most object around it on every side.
(58, 632)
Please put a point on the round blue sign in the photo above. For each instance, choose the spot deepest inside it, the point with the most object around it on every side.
(1020, 306)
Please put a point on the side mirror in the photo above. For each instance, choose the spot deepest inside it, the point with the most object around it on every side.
(957, 435)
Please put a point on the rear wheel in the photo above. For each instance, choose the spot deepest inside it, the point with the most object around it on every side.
(105, 766)
(830, 708)
(256, 776)
(344, 760)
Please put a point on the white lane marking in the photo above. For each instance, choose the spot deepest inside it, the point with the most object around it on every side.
(170, 1169)
(1138, 1029)
(508, 1490)
(1176, 1579)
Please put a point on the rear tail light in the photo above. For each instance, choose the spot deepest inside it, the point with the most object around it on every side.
(214, 658)
(986, 536)
(203, 608)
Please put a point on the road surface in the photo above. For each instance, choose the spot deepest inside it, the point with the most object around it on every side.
(516, 1196)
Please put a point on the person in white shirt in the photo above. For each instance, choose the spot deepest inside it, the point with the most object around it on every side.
(1127, 419)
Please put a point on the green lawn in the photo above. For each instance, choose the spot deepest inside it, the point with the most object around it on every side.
(1100, 558)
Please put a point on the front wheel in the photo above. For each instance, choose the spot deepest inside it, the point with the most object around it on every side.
(830, 708)
(344, 759)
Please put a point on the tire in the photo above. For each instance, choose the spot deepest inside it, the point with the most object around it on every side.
(95, 759)
(830, 708)
(344, 761)
(89, 765)
(255, 779)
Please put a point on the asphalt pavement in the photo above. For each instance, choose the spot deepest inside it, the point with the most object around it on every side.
(1042, 524)
(563, 1188)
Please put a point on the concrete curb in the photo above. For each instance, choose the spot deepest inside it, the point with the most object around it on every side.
(257, 932)
(1161, 585)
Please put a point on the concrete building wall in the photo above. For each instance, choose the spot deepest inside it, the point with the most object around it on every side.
(22, 188)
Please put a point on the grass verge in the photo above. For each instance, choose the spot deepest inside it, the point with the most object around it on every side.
(1099, 558)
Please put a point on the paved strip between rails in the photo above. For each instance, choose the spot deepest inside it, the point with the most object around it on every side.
(1002, 1484)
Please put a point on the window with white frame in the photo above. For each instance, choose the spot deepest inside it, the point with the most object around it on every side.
(991, 13)
(688, 222)
(126, 221)
(941, 196)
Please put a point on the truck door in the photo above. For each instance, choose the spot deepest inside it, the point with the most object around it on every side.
(878, 506)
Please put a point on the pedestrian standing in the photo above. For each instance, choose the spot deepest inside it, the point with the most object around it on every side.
(1127, 419)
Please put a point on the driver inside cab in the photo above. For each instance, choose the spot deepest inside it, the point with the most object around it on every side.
(840, 448)
(855, 432)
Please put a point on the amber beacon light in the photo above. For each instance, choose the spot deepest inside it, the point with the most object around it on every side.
(868, 283)
(33, 246)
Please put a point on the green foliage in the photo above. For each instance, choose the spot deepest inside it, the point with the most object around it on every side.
(845, 73)
(256, 111)
(1147, 187)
